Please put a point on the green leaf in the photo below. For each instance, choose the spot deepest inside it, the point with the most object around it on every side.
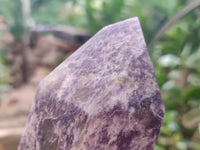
(191, 92)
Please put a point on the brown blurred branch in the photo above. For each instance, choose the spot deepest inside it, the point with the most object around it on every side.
(185, 10)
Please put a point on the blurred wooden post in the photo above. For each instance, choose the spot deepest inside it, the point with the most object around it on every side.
(26, 9)
(18, 49)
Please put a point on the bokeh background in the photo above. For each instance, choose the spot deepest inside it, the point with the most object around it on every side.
(36, 35)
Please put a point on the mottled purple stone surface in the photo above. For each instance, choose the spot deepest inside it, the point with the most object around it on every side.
(103, 97)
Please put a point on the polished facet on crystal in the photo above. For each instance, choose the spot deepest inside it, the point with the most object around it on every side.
(103, 97)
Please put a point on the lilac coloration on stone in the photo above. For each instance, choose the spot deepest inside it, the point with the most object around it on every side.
(103, 97)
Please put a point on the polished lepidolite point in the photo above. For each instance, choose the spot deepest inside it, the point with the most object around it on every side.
(103, 97)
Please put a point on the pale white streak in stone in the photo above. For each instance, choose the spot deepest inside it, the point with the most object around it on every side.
(154, 107)
(65, 83)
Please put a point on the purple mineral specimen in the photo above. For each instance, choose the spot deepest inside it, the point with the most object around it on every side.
(103, 97)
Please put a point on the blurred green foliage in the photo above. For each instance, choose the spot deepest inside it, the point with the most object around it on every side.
(176, 55)
(12, 12)
(3, 68)
(3, 73)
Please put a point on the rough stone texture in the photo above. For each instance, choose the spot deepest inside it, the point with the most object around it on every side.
(103, 97)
